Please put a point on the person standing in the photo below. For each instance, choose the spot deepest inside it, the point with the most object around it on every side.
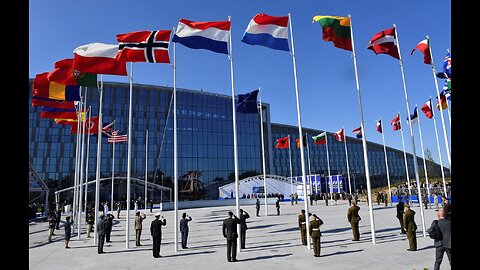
(101, 233)
(315, 233)
(139, 217)
(184, 229)
(257, 206)
(229, 230)
(151, 205)
(311, 199)
(68, 230)
(105, 208)
(51, 226)
(136, 206)
(243, 227)
(325, 197)
(58, 217)
(442, 243)
(447, 207)
(349, 199)
(277, 205)
(90, 222)
(156, 233)
(411, 227)
(296, 198)
(354, 219)
(435, 201)
(400, 210)
(292, 198)
(302, 224)
(385, 198)
(108, 226)
(119, 208)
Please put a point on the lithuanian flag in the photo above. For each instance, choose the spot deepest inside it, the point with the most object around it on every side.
(337, 30)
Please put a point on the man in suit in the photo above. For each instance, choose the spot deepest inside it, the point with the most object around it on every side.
(184, 229)
(243, 227)
(101, 224)
(354, 219)
(156, 233)
(315, 233)
(400, 209)
(108, 226)
(442, 244)
(277, 205)
(229, 230)
(447, 207)
(139, 217)
(257, 206)
(302, 224)
(411, 227)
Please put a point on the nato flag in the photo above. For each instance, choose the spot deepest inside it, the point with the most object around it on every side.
(247, 103)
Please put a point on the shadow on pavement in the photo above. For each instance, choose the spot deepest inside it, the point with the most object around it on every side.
(341, 252)
(190, 253)
(265, 257)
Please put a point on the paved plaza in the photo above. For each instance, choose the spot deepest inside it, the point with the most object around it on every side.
(272, 241)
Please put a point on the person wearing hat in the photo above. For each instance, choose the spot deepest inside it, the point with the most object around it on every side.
(156, 233)
(303, 227)
(354, 219)
(411, 227)
(229, 230)
(315, 233)
(184, 229)
(400, 209)
(108, 227)
(243, 227)
(68, 230)
(139, 217)
(101, 224)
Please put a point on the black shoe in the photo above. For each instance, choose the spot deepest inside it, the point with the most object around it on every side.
(229, 260)
(234, 260)
(108, 241)
(101, 252)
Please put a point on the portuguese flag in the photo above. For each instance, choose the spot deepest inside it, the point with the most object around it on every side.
(337, 30)
(320, 138)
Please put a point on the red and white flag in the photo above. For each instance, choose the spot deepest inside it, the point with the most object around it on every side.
(396, 123)
(425, 49)
(427, 109)
(379, 126)
(385, 42)
(339, 135)
(99, 58)
(144, 46)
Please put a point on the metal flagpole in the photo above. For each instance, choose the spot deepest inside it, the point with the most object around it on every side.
(302, 158)
(81, 168)
(423, 156)
(99, 155)
(386, 161)
(113, 168)
(348, 166)
(448, 112)
(406, 163)
(129, 158)
(86, 163)
(235, 152)
(146, 168)
(263, 157)
(309, 168)
(328, 166)
(77, 164)
(441, 111)
(290, 158)
(414, 153)
(175, 157)
(438, 148)
(364, 136)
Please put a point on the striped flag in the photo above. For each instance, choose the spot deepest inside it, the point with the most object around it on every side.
(268, 31)
(424, 47)
(358, 131)
(116, 137)
(385, 42)
(212, 36)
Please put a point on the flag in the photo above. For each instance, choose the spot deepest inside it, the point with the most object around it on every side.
(358, 131)
(108, 129)
(282, 143)
(441, 75)
(44, 88)
(118, 136)
(247, 103)
(91, 126)
(396, 123)
(67, 121)
(268, 31)
(98, 58)
(447, 94)
(297, 141)
(339, 135)
(414, 116)
(54, 103)
(424, 47)
(448, 84)
(447, 65)
(211, 36)
(320, 138)
(442, 101)
(385, 42)
(48, 112)
(379, 126)
(65, 74)
(427, 109)
(144, 46)
(337, 30)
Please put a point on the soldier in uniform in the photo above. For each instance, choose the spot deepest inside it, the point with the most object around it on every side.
(315, 233)
(303, 227)
(354, 219)
(277, 205)
(229, 230)
(156, 232)
(400, 209)
(411, 227)
(184, 229)
(139, 217)
(243, 227)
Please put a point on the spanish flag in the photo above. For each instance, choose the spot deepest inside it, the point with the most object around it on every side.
(42, 87)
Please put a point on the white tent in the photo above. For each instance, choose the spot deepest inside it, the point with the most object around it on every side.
(254, 185)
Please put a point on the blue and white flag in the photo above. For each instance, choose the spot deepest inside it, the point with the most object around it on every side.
(414, 116)
(247, 103)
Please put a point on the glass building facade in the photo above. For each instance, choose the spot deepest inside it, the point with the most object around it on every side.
(205, 141)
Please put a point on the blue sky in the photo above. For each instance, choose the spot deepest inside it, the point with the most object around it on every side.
(326, 75)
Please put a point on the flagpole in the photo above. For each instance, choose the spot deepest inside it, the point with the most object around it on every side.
(129, 158)
(263, 157)
(328, 166)
(99, 155)
(348, 166)
(364, 136)
(235, 152)
(290, 158)
(302, 158)
(415, 165)
(113, 167)
(423, 156)
(86, 163)
(309, 169)
(81, 167)
(77, 166)
(448, 112)
(386, 161)
(146, 168)
(438, 148)
(175, 142)
(441, 111)
(406, 163)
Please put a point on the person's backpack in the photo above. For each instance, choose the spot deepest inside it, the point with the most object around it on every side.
(434, 231)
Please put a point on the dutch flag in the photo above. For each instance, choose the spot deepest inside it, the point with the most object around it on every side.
(268, 31)
(211, 36)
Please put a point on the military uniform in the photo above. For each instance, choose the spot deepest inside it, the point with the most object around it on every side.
(354, 219)
(243, 228)
(302, 224)
(400, 209)
(411, 227)
(138, 228)
(315, 234)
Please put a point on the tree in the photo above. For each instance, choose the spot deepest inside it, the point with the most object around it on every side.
(431, 166)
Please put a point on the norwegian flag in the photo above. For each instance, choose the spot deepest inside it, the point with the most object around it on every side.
(396, 123)
(144, 46)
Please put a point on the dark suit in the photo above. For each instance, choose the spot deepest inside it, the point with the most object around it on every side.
(354, 219)
(257, 205)
(411, 227)
(184, 230)
(156, 233)
(277, 205)
(444, 244)
(229, 230)
(101, 224)
(400, 208)
(243, 228)
(108, 227)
